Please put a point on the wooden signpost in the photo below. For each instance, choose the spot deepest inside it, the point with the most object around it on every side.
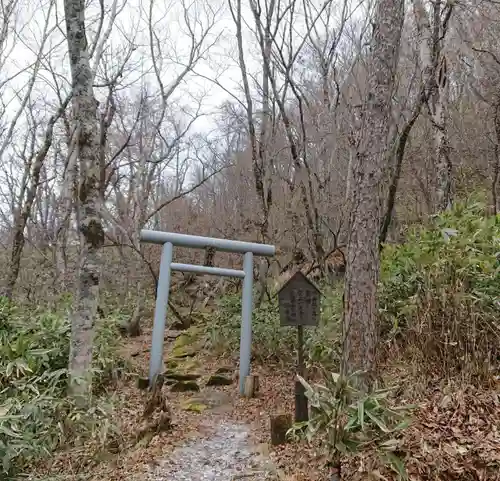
(299, 305)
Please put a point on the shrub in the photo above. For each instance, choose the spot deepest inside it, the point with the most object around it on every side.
(441, 289)
(270, 341)
(36, 417)
(324, 343)
(347, 421)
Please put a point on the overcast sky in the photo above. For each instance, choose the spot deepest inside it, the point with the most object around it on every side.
(130, 26)
(37, 19)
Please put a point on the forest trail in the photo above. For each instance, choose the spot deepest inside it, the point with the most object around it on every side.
(216, 435)
(225, 454)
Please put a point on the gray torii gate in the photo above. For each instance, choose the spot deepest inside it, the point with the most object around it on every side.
(169, 240)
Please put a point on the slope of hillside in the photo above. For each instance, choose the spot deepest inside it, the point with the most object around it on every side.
(438, 350)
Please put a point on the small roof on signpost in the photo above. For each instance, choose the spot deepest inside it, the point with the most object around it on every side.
(299, 302)
(299, 276)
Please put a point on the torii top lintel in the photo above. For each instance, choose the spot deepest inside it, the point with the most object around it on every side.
(199, 242)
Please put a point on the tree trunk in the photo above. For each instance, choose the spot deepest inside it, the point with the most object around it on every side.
(439, 123)
(395, 176)
(432, 29)
(262, 163)
(24, 211)
(367, 173)
(90, 225)
(496, 161)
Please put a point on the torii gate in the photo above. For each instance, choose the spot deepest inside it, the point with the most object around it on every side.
(169, 240)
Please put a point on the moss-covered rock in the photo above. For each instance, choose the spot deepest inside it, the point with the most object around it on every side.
(185, 386)
(183, 352)
(219, 380)
(194, 406)
(224, 370)
(188, 338)
(181, 376)
(190, 365)
(171, 364)
(182, 341)
(185, 345)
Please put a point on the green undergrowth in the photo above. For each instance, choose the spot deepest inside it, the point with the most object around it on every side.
(272, 342)
(439, 299)
(36, 415)
(440, 293)
(439, 318)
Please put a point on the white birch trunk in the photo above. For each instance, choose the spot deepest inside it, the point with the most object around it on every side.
(431, 37)
(444, 167)
(89, 224)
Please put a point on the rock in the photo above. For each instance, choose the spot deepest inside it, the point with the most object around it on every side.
(143, 383)
(219, 380)
(194, 406)
(181, 353)
(182, 340)
(224, 370)
(179, 325)
(190, 365)
(179, 376)
(182, 347)
(171, 364)
(185, 386)
(212, 399)
(186, 342)
(172, 334)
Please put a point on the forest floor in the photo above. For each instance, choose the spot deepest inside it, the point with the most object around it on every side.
(217, 435)
(442, 361)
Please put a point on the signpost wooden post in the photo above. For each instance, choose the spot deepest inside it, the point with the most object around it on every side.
(299, 305)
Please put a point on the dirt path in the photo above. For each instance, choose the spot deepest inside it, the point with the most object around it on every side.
(225, 437)
(224, 446)
(227, 454)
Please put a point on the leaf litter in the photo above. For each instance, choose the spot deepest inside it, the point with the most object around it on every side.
(454, 437)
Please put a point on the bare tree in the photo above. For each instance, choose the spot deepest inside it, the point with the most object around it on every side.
(486, 87)
(90, 224)
(259, 129)
(33, 166)
(285, 55)
(432, 29)
(158, 143)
